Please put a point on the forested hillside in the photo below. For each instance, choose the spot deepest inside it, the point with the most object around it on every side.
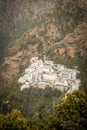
(54, 28)
(69, 114)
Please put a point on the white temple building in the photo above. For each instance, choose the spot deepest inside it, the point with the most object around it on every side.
(47, 73)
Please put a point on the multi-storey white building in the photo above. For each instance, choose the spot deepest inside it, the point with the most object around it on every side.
(47, 72)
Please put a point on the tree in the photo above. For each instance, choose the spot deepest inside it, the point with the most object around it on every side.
(13, 121)
(72, 111)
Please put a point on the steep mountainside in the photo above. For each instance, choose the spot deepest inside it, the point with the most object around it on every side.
(54, 28)
(57, 29)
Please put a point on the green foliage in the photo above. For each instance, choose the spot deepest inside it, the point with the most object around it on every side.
(40, 47)
(38, 101)
(72, 111)
(13, 121)
(57, 39)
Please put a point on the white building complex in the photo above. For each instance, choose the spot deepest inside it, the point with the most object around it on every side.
(46, 73)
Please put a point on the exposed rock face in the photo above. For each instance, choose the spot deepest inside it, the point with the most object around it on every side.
(33, 27)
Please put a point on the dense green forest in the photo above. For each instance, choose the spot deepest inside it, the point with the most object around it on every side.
(37, 101)
(70, 114)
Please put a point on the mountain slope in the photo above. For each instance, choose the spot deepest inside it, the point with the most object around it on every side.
(57, 29)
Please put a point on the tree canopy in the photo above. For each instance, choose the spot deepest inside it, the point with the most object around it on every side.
(72, 111)
(13, 121)
(71, 114)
